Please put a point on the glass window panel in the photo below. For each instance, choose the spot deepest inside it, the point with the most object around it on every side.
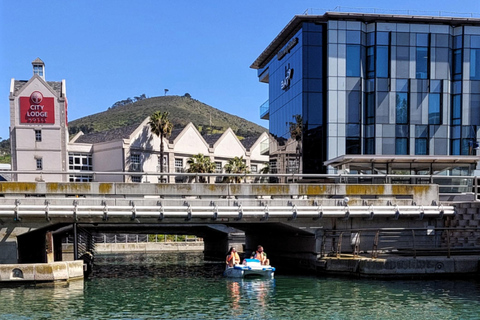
(457, 42)
(422, 39)
(353, 107)
(422, 63)
(401, 108)
(353, 37)
(457, 64)
(353, 61)
(434, 108)
(403, 39)
(382, 62)
(475, 64)
(436, 86)
(421, 146)
(370, 108)
(401, 131)
(421, 131)
(370, 146)
(353, 130)
(352, 146)
(370, 59)
(382, 38)
(402, 85)
(475, 42)
(456, 109)
(401, 146)
(370, 39)
(455, 147)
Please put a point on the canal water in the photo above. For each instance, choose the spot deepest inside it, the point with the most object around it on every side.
(183, 286)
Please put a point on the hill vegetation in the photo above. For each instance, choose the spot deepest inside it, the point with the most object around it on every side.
(181, 109)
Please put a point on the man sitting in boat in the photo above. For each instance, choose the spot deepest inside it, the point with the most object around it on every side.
(232, 257)
(261, 256)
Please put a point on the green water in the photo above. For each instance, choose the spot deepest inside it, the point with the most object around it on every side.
(183, 286)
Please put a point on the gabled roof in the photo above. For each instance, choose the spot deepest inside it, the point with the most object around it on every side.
(56, 86)
(248, 142)
(211, 139)
(110, 135)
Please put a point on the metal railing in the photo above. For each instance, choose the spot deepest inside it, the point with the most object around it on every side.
(213, 212)
(401, 241)
(434, 13)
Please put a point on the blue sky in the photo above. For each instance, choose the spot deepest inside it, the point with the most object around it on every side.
(110, 50)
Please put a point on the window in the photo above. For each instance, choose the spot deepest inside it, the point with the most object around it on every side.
(457, 58)
(254, 168)
(81, 178)
(135, 158)
(382, 65)
(38, 135)
(401, 139)
(179, 165)
(39, 163)
(353, 60)
(434, 108)
(273, 166)
(38, 69)
(135, 162)
(422, 63)
(421, 140)
(401, 110)
(475, 58)
(80, 161)
(136, 178)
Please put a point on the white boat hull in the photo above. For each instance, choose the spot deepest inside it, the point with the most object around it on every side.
(252, 268)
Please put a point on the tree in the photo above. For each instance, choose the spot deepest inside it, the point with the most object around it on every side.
(161, 126)
(296, 132)
(200, 163)
(235, 165)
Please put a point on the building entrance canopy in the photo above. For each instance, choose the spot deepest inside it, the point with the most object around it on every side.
(386, 164)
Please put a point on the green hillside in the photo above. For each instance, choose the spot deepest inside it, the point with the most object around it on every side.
(182, 111)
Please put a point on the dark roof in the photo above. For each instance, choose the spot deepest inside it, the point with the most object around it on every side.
(175, 133)
(211, 139)
(248, 142)
(295, 24)
(55, 85)
(110, 135)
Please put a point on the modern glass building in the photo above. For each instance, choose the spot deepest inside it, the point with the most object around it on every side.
(373, 93)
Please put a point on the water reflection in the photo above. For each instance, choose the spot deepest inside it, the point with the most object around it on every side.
(183, 286)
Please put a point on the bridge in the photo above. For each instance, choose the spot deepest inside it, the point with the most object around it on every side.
(295, 222)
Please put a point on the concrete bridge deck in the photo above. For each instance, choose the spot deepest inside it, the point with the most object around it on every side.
(292, 221)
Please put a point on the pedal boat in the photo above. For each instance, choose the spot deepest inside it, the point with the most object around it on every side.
(252, 268)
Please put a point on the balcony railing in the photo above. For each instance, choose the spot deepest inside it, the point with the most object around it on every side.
(265, 110)
(264, 147)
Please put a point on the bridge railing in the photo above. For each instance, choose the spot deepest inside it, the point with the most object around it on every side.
(379, 242)
(448, 184)
(214, 212)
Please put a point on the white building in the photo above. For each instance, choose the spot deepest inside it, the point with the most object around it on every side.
(41, 151)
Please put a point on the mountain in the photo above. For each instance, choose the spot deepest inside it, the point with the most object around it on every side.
(182, 109)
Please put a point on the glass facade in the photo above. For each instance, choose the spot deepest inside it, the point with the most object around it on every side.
(375, 87)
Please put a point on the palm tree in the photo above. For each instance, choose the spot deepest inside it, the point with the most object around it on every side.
(296, 132)
(161, 126)
(200, 163)
(235, 165)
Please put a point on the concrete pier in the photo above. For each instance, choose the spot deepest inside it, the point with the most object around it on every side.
(42, 272)
(399, 266)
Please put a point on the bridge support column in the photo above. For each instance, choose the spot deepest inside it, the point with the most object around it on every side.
(215, 247)
(287, 252)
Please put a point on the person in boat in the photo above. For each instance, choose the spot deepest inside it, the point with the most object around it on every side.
(232, 257)
(260, 255)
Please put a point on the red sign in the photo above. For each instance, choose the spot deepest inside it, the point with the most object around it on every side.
(37, 109)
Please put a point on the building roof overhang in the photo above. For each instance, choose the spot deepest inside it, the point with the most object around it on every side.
(294, 25)
(369, 161)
